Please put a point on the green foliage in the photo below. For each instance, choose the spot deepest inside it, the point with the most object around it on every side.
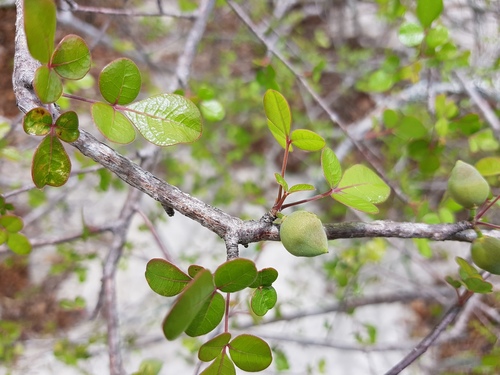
(120, 81)
(40, 28)
(10, 227)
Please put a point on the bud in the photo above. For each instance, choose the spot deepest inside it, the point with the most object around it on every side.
(485, 253)
(302, 234)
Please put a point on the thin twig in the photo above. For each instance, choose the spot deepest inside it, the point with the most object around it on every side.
(157, 238)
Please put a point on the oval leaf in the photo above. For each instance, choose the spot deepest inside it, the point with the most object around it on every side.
(11, 223)
(301, 187)
(212, 110)
(188, 304)
(40, 27)
(164, 278)
(362, 182)
(208, 317)
(411, 34)
(355, 202)
(166, 119)
(212, 348)
(263, 300)
(19, 243)
(265, 277)
(235, 275)
(307, 140)
(281, 181)
(221, 366)
(47, 84)
(51, 164)
(250, 353)
(120, 81)
(38, 121)
(71, 58)
(428, 11)
(410, 128)
(278, 115)
(193, 270)
(113, 124)
(489, 166)
(67, 126)
(331, 167)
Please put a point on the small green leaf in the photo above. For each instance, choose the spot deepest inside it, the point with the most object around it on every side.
(11, 223)
(453, 282)
(477, 285)
(149, 366)
(166, 119)
(193, 270)
(362, 182)
(67, 126)
(40, 28)
(221, 366)
(411, 34)
(212, 110)
(278, 115)
(410, 128)
(390, 118)
(3, 236)
(437, 36)
(428, 11)
(209, 317)
(235, 275)
(331, 167)
(113, 124)
(301, 187)
(212, 348)
(188, 304)
(263, 300)
(466, 269)
(307, 140)
(250, 353)
(379, 81)
(38, 121)
(18, 243)
(51, 164)
(281, 181)
(355, 202)
(489, 166)
(265, 277)
(164, 278)
(71, 58)
(47, 84)
(120, 81)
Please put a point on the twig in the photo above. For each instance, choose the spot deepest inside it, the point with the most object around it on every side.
(482, 104)
(157, 238)
(423, 345)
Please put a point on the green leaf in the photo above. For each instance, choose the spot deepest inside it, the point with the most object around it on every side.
(149, 366)
(489, 166)
(263, 300)
(355, 202)
(209, 317)
(51, 164)
(466, 269)
(379, 81)
(11, 223)
(428, 11)
(477, 285)
(411, 34)
(390, 118)
(18, 243)
(71, 58)
(221, 366)
(437, 36)
(279, 117)
(265, 277)
(453, 282)
(410, 128)
(165, 278)
(67, 126)
(250, 353)
(331, 167)
(193, 270)
(307, 140)
(113, 124)
(301, 187)
(212, 110)
(120, 81)
(235, 275)
(362, 182)
(281, 181)
(38, 121)
(212, 348)
(40, 28)
(188, 304)
(47, 84)
(4, 235)
(166, 119)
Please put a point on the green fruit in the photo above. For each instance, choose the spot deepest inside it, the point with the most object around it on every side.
(303, 235)
(466, 186)
(486, 254)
